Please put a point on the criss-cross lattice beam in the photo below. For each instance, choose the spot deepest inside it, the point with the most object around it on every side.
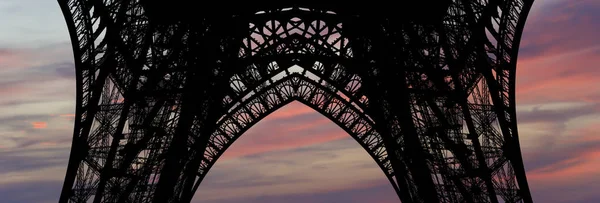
(439, 92)
(296, 87)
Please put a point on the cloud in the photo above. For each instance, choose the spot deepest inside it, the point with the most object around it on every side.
(313, 169)
(569, 76)
(565, 165)
(295, 125)
(561, 26)
(558, 94)
(31, 192)
(26, 160)
(69, 117)
(36, 83)
(31, 23)
(34, 86)
(39, 125)
(43, 85)
(20, 58)
(292, 109)
(575, 179)
(556, 113)
(559, 53)
(378, 194)
(22, 123)
(562, 150)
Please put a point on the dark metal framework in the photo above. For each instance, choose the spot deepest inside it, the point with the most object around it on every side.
(164, 89)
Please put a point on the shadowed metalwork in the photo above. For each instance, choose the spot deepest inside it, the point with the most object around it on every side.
(163, 89)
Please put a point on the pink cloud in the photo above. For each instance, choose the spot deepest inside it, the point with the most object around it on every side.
(10, 89)
(277, 139)
(559, 53)
(577, 168)
(293, 126)
(571, 76)
(577, 159)
(291, 110)
(11, 58)
(561, 26)
(43, 55)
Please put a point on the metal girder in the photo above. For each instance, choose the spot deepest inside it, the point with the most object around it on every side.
(160, 99)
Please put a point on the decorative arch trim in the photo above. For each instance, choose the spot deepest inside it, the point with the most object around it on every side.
(296, 87)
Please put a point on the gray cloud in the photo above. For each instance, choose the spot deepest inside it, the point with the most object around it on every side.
(564, 150)
(22, 122)
(559, 144)
(24, 161)
(31, 192)
(31, 23)
(585, 191)
(557, 116)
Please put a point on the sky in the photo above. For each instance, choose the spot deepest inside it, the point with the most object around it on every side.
(295, 154)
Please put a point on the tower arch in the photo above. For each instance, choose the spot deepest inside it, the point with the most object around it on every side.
(297, 87)
(151, 92)
(288, 59)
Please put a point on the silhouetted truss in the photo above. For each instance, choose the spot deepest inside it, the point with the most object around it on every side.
(164, 89)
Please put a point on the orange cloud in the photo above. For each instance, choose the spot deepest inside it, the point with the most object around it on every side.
(69, 117)
(39, 125)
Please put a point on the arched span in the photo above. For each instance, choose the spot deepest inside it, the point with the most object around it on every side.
(297, 87)
(317, 46)
(259, 85)
(132, 73)
(337, 78)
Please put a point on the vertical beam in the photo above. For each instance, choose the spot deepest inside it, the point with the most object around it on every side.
(517, 161)
(135, 65)
(216, 85)
(457, 65)
(393, 77)
(170, 172)
(198, 81)
(360, 56)
(79, 142)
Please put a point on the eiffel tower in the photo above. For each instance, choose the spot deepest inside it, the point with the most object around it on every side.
(426, 88)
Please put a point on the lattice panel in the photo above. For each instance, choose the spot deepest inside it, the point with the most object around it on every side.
(453, 133)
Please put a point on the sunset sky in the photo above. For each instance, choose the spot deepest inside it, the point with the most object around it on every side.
(297, 155)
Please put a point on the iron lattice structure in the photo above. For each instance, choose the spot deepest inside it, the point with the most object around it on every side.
(164, 89)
